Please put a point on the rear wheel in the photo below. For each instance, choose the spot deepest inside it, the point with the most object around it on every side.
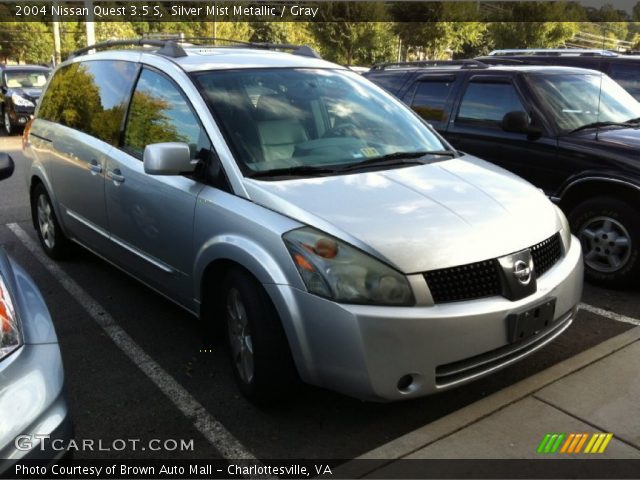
(7, 123)
(260, 354)
(52, 239)
(609, 231)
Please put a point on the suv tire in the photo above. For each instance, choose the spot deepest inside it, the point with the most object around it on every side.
(258, 347)
(54, 242)
(609, 231)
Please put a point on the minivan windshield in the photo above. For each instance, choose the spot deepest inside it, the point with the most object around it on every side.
(26, 78)
(306, 121)
(576, 100)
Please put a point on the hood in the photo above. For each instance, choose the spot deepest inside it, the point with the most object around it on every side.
(31, 93)
(419, 218)
(612, 139)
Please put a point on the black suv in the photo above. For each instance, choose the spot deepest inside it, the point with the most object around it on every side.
(20, 88)
(624, 69)
(574, 133)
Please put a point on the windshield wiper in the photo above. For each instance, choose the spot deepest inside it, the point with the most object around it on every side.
(602, 124)
(301, 170)
(398, 158)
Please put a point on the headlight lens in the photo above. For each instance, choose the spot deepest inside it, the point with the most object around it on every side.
(20, 101)
(10, 338)
(333, 269)
(566, 229)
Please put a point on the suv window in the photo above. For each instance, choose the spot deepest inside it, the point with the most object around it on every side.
(486, 103)
(628, 76)
(159, 112)
(430, 98)
(90, 97)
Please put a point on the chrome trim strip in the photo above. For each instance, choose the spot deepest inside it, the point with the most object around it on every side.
(603, 179)
(162, 266)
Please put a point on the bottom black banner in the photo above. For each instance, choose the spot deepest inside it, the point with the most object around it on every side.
(289, 469)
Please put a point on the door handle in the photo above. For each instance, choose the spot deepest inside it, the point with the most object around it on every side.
(115, 175)
(94, 166)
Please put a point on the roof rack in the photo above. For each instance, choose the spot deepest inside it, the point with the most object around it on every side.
(431, 63)
(577, 52)
(171, 47)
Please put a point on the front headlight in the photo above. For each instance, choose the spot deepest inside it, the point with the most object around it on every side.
(565, 233)
(333, 269)
(20, 101)
(10, 338)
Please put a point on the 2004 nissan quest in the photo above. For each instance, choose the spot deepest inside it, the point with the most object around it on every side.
(332, 232)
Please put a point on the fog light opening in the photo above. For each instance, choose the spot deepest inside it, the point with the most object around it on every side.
(406, 384)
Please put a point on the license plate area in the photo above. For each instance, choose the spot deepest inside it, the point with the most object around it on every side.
(532, 321)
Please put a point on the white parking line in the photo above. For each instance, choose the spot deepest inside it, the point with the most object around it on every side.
(608, 314)
(224, 442)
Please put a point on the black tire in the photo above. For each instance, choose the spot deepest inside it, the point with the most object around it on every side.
(609, 231)
(6, 125)
(274, 375)
(54, 242)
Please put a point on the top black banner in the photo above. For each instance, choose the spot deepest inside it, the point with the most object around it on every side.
(317, 11)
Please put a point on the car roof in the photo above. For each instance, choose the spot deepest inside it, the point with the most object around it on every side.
(24, 67)
(222, 58)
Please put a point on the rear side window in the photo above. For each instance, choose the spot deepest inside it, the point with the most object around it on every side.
(160, 113)
(90, 97)
(431, 97)
(485, 104)
(628, 76)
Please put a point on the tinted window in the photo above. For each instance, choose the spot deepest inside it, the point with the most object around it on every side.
(430, 98)
(160, 113)
(628, 76)
(390, 81)
(487, 103)
(90, 97)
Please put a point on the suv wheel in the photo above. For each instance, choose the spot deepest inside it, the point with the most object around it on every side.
(609, 231)
(53, 241)
(260, 355)
(7, 123)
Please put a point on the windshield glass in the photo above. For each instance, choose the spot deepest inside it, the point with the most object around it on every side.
(26, 78)
(573, 99)
(315, 118)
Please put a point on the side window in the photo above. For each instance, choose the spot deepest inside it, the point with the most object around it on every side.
(91, 97)
(484, 104)
(628, 76)
(431, 97)
(160, 113)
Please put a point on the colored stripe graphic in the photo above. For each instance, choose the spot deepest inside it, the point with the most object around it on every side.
(570, 443)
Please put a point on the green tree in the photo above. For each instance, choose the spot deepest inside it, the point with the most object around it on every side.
(26, 42)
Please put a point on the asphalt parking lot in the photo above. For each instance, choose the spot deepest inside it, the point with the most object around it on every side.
(156, 381)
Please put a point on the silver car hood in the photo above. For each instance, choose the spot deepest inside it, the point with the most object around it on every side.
(419, 218)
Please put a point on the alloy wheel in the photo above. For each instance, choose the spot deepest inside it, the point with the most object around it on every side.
(239, 333)
(7, 123)
(46, 223)
(606, 244)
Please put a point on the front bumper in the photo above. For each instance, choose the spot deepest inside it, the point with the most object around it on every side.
(20, 116)
(367, 351)
(32, 405)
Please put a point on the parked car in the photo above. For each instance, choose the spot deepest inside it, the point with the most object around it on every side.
(572, 132)
(624, 69)
(33, 409)
(334, 235)
(20, 88)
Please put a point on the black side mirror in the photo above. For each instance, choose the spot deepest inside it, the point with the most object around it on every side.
(6, 166)
(518, 122)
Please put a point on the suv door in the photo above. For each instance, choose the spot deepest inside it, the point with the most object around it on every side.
(84, 108)
(476, 128)
(151, 217)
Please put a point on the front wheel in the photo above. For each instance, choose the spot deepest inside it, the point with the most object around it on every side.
(609, 231)
(53, 240)
(7, 122)
(260, 354)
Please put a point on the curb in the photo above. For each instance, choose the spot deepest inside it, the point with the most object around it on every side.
(443, 427)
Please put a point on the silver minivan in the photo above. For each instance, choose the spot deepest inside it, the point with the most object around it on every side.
(334, 236)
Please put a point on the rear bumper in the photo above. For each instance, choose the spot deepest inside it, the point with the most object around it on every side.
(364, 351)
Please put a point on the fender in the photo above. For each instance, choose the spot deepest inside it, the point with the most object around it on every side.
(38, 171)
(597, 176)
